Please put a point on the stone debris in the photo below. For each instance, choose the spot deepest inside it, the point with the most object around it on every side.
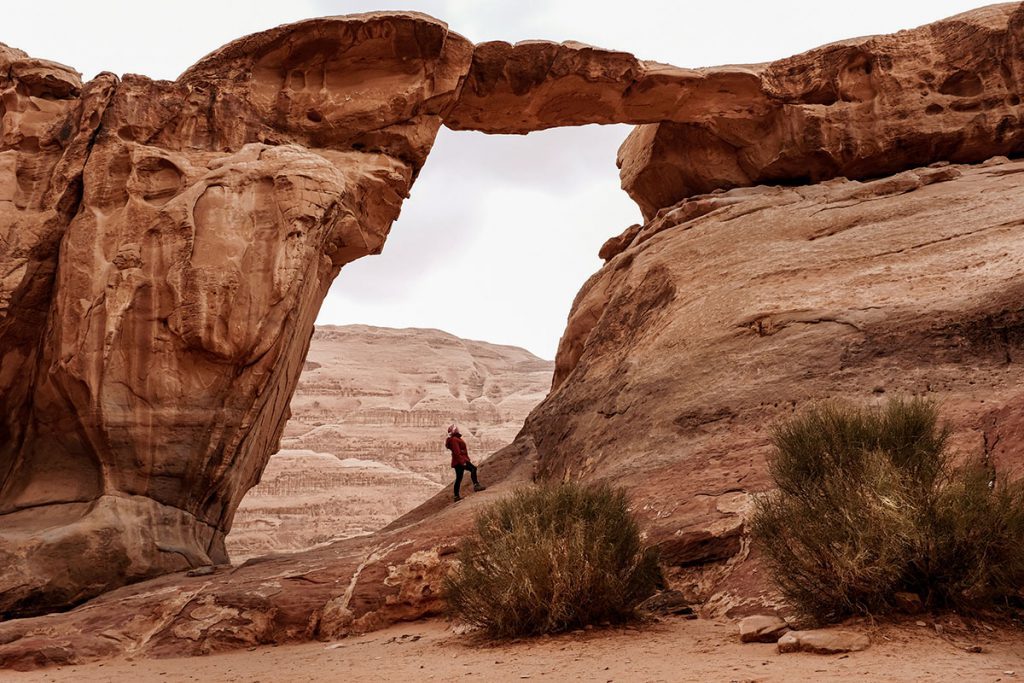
(762, 629)
(823, 641)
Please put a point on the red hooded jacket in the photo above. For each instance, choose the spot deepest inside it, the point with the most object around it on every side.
(460, 454)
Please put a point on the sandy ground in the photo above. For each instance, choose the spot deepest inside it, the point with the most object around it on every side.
(674, 649)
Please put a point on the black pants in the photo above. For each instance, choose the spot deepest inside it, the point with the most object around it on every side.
(460, 470)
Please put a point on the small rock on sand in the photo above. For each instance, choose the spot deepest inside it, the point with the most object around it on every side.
(908, 603)
(823, 641)
(762, 628)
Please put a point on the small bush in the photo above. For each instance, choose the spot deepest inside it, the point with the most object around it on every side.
(869, 504)
(550, 559)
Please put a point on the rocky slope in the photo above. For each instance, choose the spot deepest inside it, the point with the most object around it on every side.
(687, 344)
(154, 324)
(364, 444)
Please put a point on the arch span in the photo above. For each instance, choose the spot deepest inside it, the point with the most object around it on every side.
(168, 244)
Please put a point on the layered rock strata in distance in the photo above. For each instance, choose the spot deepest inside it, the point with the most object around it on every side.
(365, 442)
(166, 246)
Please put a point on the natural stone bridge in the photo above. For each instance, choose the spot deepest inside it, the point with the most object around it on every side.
(165, 246)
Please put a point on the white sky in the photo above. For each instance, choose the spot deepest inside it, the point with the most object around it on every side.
(500, 231)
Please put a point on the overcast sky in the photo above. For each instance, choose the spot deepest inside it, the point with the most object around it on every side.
(500, 231)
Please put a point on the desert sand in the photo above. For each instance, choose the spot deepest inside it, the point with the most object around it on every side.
(674, 649)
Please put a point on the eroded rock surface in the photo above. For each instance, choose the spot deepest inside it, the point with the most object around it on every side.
(679, 354)
(150, 359)
(537, 84)
(167, 246)
(862, 108)
(730, 311)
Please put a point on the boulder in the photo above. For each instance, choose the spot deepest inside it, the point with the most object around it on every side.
(762, 628)
(824, 642)
(908, 603)
(667, 602)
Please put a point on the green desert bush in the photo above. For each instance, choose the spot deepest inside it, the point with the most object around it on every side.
(552, 558)
(870, 503)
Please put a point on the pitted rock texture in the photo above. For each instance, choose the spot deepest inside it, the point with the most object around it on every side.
(536, 84)
(862, 108)
(365, 442)
(167, 245)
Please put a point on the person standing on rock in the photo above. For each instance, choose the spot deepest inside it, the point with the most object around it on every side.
(460, 460)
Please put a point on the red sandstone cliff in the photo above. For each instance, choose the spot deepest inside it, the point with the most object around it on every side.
(168, 244)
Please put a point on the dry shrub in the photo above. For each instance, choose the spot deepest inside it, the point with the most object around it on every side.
(869, 504)
(552, 558)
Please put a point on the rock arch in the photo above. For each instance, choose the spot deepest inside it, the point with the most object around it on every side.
(167, 245)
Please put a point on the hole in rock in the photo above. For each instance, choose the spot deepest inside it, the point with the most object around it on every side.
(314, 116)
(962, 84)
(457, 320)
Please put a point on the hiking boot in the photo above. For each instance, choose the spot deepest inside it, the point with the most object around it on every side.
(479, 487)
(457, 498)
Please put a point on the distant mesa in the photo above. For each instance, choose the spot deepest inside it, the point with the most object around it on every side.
(357, 453)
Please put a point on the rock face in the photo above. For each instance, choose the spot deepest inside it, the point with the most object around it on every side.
(150, 359)
(167, 245)
(730, 311)
(364, 444)
(859, 108)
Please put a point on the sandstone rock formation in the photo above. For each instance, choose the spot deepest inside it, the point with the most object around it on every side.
(537, 84)
(730, 311)
(167, 245)
(862, 108)
(364, 444)
(700, 334)
(167, 249)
